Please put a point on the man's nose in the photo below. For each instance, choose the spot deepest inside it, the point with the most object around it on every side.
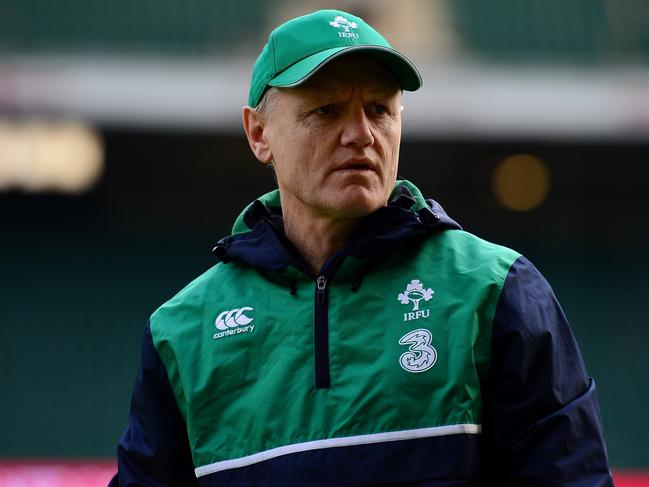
(357, 129)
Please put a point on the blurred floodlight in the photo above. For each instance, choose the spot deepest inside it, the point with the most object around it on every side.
(521, 182)
(36, 156)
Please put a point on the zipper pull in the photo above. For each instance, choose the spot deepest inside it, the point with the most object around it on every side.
(321, 284)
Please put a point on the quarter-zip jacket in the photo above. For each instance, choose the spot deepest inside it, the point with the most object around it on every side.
(418, 355)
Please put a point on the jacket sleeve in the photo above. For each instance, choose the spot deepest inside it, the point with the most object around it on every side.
(542, 425)
(154, 450)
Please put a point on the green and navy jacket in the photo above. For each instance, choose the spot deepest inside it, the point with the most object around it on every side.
(418, 355)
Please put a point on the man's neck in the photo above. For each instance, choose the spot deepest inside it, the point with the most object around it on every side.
(317, 237)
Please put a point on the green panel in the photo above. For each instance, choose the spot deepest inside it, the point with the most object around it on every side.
(171, 26)
(235, 404)
(581, 31)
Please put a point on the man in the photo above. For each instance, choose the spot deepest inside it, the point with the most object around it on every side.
(352, 334)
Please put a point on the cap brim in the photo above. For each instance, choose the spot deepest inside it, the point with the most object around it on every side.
(401, 67)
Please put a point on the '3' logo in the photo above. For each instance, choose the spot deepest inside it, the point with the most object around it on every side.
(421, 355)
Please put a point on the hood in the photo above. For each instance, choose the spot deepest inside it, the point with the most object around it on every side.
(258, 233)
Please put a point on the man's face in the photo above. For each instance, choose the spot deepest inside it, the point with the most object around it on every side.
(335, 140)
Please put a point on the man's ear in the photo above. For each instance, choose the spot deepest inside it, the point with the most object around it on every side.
(254, 124)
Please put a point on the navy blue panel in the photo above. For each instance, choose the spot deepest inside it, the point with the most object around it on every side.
(541, 420)
(154, 450)
(259, 247)
(266, 246)
(388, 227)
(440, 461)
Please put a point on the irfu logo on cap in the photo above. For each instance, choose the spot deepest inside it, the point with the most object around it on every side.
(340, 22)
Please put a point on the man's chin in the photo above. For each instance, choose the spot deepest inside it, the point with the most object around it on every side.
(357, 202)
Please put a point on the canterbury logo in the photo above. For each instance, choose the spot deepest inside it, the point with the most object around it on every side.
(233, 318)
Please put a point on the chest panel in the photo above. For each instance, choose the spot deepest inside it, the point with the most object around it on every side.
(408, 350)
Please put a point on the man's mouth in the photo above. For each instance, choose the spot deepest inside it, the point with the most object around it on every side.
(356, 165)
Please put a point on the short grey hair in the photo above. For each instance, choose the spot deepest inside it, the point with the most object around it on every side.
(267, 102)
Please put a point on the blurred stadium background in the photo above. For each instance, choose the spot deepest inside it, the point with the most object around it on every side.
(122, 161)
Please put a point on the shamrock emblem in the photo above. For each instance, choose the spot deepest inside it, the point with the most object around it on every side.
(415, 292)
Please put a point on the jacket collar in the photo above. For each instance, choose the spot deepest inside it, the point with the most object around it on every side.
(258, 233)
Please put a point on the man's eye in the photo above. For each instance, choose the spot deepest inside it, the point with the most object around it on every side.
(325, 110)
(379, 109)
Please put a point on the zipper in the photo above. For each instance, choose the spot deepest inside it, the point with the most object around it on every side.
(321, 308)
(321, 289)
(321, 311)
(321, 334)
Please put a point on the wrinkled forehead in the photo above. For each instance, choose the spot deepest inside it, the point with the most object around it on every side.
(352, 71)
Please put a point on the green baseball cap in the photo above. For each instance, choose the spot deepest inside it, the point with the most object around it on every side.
(301, 46)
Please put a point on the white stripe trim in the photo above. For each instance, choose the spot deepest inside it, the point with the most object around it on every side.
(454, 429)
